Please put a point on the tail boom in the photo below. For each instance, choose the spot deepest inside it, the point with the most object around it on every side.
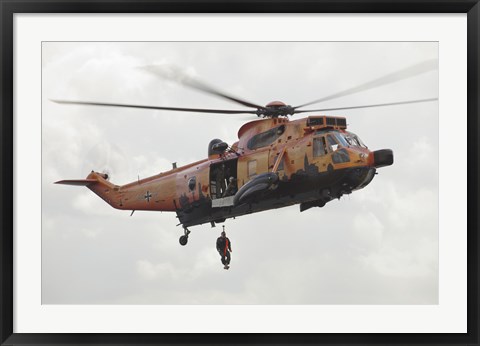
(133, 196)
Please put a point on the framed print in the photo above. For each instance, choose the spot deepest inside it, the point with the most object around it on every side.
(296, 173)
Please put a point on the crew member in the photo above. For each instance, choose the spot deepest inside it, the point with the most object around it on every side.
(224, 248)
(231, 188)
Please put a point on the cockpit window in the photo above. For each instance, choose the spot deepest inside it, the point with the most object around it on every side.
(319, 147)
(340, 156)
(265, 138)
(344, 139)
(332, 143)
(341, 139)
(354, 140)
(331, 140)
(360, 141)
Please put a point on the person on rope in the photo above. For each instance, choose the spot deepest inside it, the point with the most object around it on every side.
(224, 248)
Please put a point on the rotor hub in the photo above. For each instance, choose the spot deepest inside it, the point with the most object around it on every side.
(275, 109)
(275, 104)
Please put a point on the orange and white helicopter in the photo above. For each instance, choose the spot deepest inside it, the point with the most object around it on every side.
(276, 162)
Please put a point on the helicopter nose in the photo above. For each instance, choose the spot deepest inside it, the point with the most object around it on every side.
(382, 158)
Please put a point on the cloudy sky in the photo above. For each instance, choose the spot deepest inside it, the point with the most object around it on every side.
(378, 245)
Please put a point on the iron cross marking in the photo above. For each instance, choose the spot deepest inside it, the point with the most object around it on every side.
(148, 196)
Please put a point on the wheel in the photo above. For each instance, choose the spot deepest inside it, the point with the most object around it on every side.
(183, 240)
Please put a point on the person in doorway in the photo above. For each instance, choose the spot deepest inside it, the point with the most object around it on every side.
(224, 248)
(231, 188)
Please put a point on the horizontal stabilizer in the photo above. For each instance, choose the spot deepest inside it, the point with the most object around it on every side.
(77, 182)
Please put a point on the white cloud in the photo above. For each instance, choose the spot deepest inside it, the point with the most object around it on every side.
(368, 231)
(149, 271)
(88, 204)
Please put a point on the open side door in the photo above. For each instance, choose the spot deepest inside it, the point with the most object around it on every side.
(220, 175)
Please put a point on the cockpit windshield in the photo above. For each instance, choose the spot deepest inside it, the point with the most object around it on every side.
(345, 139)
(341, 139)
(352, 139)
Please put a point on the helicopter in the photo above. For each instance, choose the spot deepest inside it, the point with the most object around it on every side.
(276, 162)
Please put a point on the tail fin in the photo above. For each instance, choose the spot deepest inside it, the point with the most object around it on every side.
(98, 183)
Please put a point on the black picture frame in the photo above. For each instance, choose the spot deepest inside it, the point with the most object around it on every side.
(10, 7)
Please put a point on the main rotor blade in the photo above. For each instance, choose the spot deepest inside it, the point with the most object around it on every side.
(367, 106)
(175, 74)
(390, 78)
(179, 109)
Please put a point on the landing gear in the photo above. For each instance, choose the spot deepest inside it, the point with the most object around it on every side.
(184, 238)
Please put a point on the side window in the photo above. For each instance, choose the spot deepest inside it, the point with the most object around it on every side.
(252, 168)
(265, 138)
(319, 148)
